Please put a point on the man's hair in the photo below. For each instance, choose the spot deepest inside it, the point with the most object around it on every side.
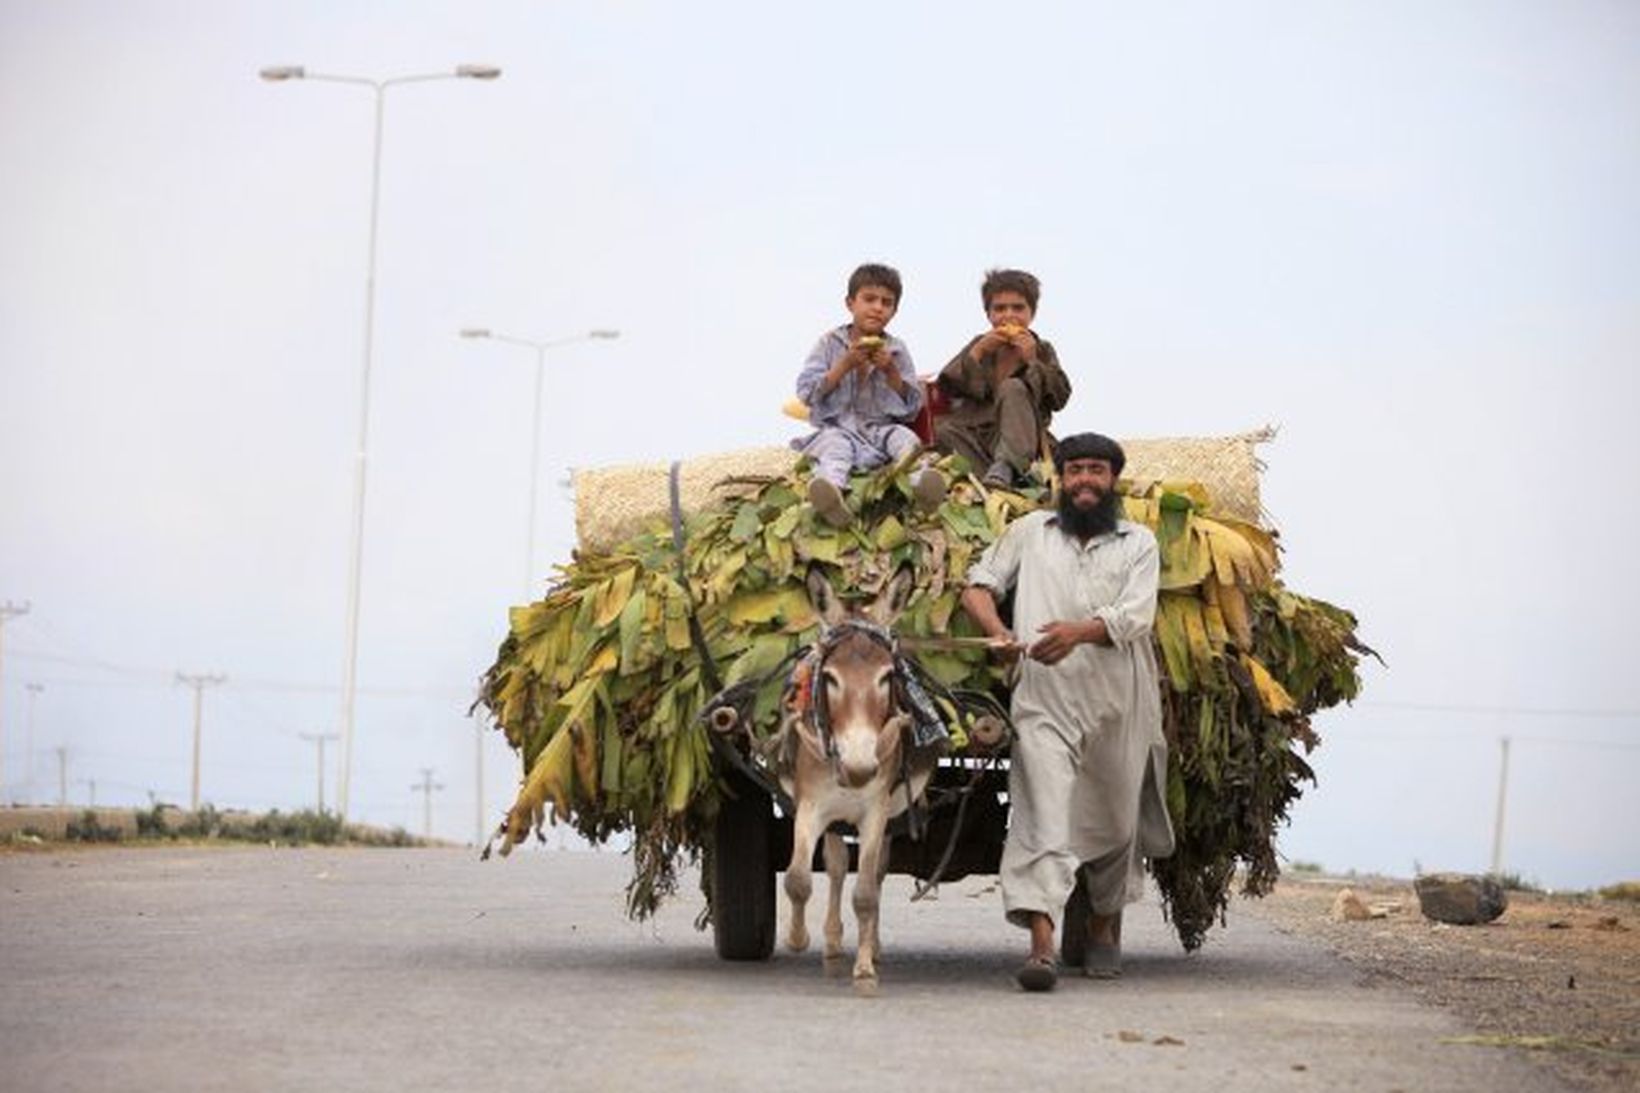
(1010, 280)
(876, 275)
(1089, 446)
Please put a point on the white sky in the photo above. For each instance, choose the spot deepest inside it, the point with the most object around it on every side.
(1404, 233)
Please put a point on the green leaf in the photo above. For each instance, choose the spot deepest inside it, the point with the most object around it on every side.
(747, 524)
(890, 533)
(765, 652)
(786, 522)
(631, 631)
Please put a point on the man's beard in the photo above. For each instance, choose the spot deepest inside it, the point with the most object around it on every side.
(1086, 523)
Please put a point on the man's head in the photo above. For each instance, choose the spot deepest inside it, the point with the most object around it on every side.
(1089, 465)
(873, 297)
(1010, 297)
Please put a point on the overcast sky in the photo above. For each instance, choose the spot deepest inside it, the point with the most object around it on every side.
(1404, 233)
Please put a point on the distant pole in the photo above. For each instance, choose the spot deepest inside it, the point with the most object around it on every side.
(1497, 825)
(8, 611)
(540, 348)
(62, 776)
(426, 787)
(34, 690)
(198, 683)
(320, 738)
(478, 723)
(355, 566)
(91, 786)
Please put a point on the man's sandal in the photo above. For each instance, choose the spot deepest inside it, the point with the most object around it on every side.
(1039, 973)
(1104, 961)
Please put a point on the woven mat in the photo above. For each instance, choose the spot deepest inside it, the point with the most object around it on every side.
(612, 504)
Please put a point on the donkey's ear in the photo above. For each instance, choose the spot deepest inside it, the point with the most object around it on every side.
(894, 596)
(823, 597)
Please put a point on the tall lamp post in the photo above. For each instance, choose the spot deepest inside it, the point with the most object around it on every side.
(540, 348)
(280, 73)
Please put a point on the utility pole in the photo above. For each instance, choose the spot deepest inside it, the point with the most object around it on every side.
(91, 784)
(198, 683)
(478, 723)
(320, 738)
(62, 776)
(1497, 825)
(426, 787)
(34, 690)
(8, 611)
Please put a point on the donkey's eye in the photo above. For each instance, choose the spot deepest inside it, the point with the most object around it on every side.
(833, 681)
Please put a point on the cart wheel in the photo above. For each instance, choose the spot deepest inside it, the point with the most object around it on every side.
(1073, 929)
(743, 915)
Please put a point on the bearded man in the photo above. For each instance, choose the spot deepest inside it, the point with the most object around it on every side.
(1086, 783)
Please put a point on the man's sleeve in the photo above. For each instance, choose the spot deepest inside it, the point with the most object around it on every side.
(998, 568)
(1131, 615)
(962, 377)
(1052, 386)
(821, 358)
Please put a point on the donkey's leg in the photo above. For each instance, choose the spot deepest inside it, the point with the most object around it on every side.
(799, 873)
(882, 872)
(868, 885)
(837, 874)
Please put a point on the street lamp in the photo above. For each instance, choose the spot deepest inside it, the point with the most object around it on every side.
(540, 348)
(277, 74)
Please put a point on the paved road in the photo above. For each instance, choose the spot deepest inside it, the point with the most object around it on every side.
(260, 969)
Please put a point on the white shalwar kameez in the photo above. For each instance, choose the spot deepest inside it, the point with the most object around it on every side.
(1087, 784)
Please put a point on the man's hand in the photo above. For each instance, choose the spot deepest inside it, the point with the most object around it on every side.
(1005, 647)
(1059, 638)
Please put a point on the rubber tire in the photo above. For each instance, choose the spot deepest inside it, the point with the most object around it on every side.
(743, 897)
(1073, 926)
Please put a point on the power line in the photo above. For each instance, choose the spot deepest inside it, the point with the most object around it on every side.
(1437, 738)
(159, 677)
(1503, 711)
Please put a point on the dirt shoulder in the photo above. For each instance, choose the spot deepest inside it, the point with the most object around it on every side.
(1556, 977)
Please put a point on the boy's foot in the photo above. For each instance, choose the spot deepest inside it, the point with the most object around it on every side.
(999, 476)
(929, 489)
(828, 501)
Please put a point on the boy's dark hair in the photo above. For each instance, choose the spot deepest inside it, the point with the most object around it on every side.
(876, 275)
(1010, 280)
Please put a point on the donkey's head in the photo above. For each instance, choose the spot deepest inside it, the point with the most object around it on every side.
(854, 688)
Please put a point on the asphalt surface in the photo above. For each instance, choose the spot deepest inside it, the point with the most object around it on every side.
(271, 969)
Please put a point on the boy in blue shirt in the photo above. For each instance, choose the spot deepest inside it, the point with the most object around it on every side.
(862, 391)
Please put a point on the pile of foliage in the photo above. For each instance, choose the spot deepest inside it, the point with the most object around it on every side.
(598, 685)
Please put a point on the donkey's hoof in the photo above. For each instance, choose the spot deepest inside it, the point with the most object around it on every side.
(797, 942)
(836, 964)
(866, 986)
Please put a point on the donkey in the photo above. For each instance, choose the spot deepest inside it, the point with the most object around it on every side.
(849, 759)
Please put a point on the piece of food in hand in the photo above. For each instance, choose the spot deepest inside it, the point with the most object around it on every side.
(1009, 330)
(868, 341)
(795, 407)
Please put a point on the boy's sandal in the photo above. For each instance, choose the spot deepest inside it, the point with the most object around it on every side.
(1039, 973)
(828, 503)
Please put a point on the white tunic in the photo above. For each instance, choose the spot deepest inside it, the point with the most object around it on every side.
(1087, 782)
